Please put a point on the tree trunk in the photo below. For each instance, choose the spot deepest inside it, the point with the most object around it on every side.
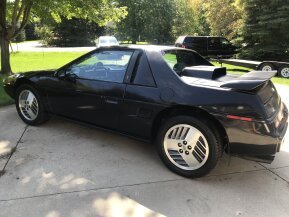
(4, 43)
(5, 56)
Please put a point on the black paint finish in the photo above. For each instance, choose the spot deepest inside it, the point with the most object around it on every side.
(152, 91)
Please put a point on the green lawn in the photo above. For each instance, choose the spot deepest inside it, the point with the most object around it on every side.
(233, 69)
(31, 61)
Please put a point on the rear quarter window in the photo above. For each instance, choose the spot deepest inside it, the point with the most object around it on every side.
(171, 59)
(179, 59)
(189, 40)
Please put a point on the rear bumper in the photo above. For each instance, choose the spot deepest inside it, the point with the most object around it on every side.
(282, 137)
(255, 138)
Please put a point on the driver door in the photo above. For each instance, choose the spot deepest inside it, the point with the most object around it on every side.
(91, 90)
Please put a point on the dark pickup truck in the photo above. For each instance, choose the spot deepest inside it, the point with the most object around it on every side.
(207, 45)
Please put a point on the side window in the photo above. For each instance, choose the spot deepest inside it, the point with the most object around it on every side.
(102, 66)
(143, 75)
(225, 43)
(202, 42)
(189, 40)
(214, 43)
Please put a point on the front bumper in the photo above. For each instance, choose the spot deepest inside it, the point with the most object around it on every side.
(9, 85)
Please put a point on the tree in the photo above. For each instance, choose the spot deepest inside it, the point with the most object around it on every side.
(132, 27)
(75, 32)
(30, 31)
(189, 18)
(225, 17)
(159, 21)
(15, 14)
(149, 20)
(266, 30)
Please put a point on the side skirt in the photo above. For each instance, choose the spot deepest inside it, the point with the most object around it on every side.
(89, 125)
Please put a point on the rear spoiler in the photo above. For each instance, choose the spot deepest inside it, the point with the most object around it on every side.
(250, 81)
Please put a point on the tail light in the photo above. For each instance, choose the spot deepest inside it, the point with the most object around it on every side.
(183, 46)
(272, 105)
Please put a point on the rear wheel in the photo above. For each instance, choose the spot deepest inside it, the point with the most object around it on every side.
(188, 147)
(283, 71)
(29, 105)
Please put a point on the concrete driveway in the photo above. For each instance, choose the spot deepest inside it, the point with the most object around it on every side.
(63, 169)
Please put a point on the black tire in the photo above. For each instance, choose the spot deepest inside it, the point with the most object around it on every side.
(283, 71)
(42, 115)
(266, 67)
(212, 136)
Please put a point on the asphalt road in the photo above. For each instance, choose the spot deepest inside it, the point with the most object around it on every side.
(63, 169)
(36, 46)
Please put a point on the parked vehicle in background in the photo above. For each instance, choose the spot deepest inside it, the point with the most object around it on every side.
(207, 45)
(106, 41)
(281, 67)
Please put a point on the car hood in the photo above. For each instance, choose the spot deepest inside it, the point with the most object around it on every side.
(29, 75)
(40, 73)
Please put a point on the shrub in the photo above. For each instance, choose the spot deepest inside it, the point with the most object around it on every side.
(46, 34)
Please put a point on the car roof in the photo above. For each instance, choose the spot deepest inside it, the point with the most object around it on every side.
(156, 48)
(153, 48)
(107, 36)
(192, 36)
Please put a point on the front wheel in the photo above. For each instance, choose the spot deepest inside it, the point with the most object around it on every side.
(29, 105)
(188, 146)
(266, 67)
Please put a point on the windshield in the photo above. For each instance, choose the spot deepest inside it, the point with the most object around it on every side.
(112, 40)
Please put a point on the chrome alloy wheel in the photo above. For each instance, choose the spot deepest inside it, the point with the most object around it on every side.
(28, 105)
(285, 72)
(186, 147)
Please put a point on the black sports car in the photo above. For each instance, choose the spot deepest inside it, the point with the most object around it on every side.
(173, 97)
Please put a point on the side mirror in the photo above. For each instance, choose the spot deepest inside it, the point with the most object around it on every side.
(63, 75)
(71, 77)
